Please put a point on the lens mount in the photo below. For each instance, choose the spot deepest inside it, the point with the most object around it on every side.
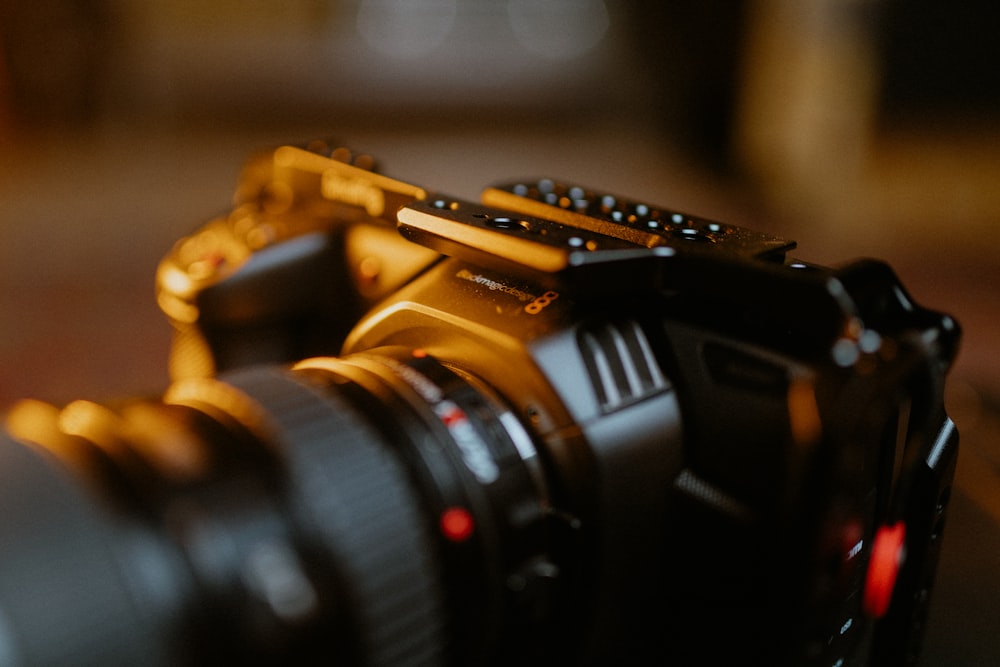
(482, 486)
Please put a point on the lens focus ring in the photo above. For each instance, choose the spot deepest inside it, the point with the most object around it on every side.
(347, 489)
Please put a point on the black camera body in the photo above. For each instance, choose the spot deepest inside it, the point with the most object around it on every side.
(617, 433)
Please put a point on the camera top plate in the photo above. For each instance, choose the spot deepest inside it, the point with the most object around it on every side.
(641, 223)
(501, 239)
(570, 235)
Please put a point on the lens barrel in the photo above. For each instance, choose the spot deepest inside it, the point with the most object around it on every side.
(375, 510)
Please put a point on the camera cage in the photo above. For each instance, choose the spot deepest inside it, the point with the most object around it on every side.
(632, 328)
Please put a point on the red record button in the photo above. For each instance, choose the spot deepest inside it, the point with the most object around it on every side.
(888, 552)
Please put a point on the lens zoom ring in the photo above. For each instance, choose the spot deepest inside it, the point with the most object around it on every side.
(357, 498)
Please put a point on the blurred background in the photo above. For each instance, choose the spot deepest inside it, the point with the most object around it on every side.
(857, 127)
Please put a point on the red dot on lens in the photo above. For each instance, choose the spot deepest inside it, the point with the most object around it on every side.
(457, 524)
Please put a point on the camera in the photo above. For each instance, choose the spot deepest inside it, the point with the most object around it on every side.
(556, 426)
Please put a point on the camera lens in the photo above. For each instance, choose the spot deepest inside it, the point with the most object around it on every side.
(378, 510)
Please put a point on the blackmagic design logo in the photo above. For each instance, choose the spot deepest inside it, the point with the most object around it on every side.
(535, 304)
(495, 285)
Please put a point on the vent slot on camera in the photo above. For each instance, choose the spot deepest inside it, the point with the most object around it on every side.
(621, 364)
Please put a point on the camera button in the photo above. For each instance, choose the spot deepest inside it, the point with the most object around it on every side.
(888, 553)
